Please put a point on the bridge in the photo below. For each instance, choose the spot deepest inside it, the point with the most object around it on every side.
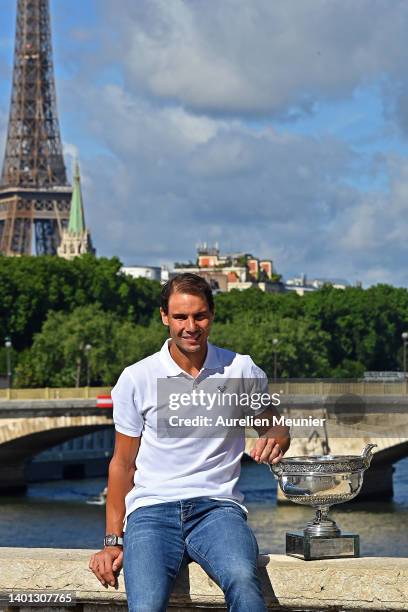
(33, 420)
(30, 426)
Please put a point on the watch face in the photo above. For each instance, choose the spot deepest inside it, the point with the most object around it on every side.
(110, 540)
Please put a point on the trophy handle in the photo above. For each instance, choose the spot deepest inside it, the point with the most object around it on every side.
(276, 470)
(367, 454)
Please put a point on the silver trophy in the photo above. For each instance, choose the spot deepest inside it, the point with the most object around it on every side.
(321, 482)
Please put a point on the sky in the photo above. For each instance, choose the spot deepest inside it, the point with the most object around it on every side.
(273, 127)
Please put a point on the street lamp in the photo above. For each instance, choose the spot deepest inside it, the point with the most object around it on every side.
(275, 343)
(8, 345)
(404, 337)
(88, 347)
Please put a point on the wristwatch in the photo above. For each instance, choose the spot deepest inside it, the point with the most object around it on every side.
(111, 539)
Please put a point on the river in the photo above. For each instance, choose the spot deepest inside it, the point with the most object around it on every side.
(55, 514)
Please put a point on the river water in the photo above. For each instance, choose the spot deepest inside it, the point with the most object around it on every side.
(55, 514)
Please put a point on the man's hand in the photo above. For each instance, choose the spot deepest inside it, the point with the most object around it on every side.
(105, 563)
(267, 450)
(273, 441)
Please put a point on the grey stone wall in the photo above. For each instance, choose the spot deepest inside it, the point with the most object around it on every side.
(288, 583)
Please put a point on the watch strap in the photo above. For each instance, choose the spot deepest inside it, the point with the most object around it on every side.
(111, 539)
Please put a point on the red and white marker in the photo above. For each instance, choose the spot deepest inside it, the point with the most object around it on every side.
(104, 401)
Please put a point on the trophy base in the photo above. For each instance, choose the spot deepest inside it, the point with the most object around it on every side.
(311, 547)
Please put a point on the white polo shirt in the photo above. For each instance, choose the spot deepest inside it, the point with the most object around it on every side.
(175, 468)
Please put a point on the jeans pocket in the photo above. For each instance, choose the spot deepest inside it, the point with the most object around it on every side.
(230, 506)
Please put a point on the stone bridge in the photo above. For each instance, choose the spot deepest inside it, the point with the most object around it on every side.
(354, 415)
(30, 427)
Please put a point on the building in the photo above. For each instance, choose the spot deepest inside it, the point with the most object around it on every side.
(302, 285)
(76, 238)
(159, 273)
(232, 271)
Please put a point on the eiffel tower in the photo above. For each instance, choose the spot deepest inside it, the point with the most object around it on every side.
(35, 195)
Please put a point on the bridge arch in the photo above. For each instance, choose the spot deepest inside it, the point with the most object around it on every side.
(21, 439)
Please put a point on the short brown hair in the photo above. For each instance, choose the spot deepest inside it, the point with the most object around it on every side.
(186, 283)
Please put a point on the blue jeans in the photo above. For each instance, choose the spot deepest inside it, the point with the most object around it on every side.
(161, 539)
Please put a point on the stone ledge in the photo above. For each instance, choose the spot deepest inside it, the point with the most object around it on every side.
(370, 583)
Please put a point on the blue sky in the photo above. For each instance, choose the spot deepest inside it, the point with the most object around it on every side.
(275, 128)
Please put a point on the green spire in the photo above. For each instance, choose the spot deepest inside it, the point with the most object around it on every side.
(76, 223)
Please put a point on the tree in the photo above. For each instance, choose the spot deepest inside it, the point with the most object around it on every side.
(301, 351)
(58, 357)
(30, 287)
(330, 332)
(365, 326)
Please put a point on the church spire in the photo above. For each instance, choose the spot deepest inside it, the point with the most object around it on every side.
(76, 239)
(76, 223)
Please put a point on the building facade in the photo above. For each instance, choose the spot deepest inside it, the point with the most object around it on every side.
(159, 273)
(301, 284)
(232, 271)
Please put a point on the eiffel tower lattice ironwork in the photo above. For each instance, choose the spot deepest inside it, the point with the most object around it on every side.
(35, 195)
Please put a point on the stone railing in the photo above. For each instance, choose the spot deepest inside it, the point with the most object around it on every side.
(286, 387)
(54, 393)
(288, 583)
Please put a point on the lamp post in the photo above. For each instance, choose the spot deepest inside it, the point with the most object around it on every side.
(88, 348)
(8, 345)
(404, 337)
(275, 343)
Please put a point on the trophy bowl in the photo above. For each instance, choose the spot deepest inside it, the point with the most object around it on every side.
(321, 482)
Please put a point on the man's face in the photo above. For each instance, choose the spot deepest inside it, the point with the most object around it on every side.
(189, 320)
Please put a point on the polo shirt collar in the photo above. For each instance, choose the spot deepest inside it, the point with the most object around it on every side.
(212, 361)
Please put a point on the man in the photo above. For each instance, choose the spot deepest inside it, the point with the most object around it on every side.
(178, 496)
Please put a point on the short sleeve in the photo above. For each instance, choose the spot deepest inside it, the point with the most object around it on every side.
(259, 377)
(126, 417)
(259, 388)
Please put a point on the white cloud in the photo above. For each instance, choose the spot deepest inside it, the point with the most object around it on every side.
(258, 57)
(3, 133)
(71, 155)
(135, 126)
(373, 234)
(176, 178)
(179, 154)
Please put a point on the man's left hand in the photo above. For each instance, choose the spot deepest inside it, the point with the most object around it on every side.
(267, 450)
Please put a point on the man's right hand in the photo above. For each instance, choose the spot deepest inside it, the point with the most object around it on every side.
(105, 563)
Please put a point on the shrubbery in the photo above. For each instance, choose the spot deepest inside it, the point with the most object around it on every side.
(52, 309)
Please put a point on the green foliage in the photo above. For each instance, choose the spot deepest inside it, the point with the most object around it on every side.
(301, 349)
(365, 326)
(53, 308)
(58, 357)
(32, 286)
(352, 330)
